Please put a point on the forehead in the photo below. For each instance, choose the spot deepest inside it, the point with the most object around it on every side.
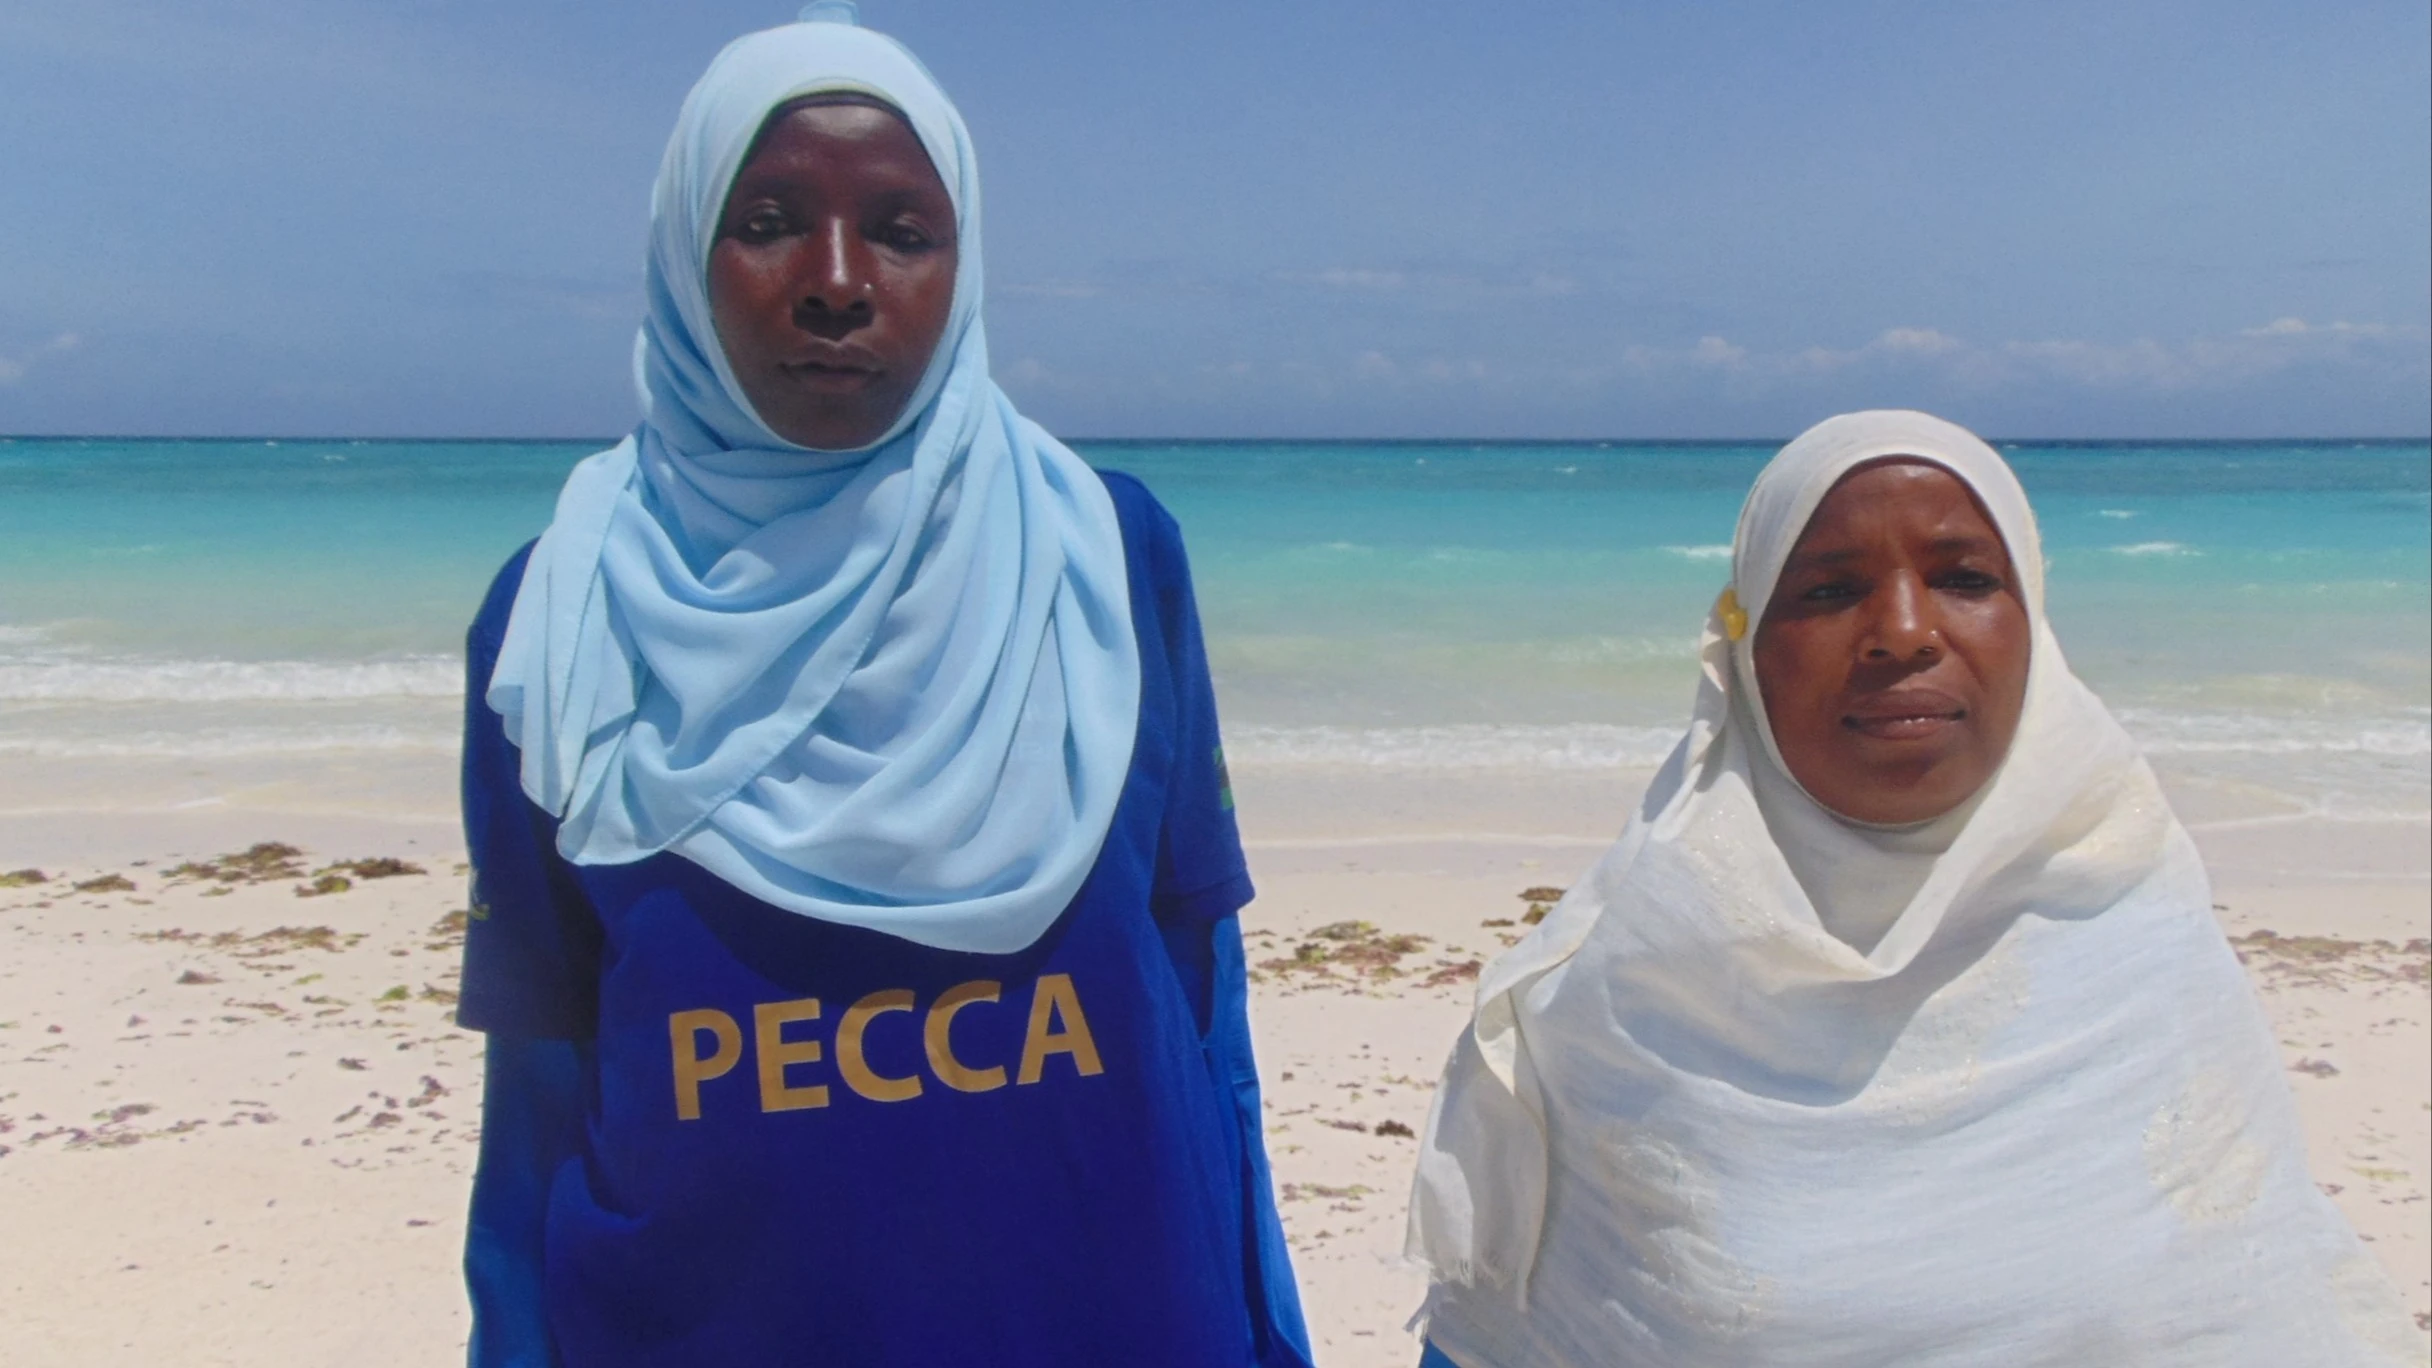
(1904, 499)
(838, 133)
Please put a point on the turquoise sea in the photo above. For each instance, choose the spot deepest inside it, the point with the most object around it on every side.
(2259, 613)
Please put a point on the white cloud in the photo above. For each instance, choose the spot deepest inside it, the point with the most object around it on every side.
(1434, 285)
(1443, 370)
(1031, 378)
(1375, 365)
(1380, 368)
(13, 368)
(1895, 342)
(1714, 351)
(2140, 363)
(2106, 365)
(2298, 327)
(1053, 289)
(1354, 278)
(1914, 363)
(1916, 342)
(1636, 357)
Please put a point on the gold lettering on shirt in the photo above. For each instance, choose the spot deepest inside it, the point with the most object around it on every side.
(854, 1066)
(1056, 1026)
(935, 1034)
(1055, 1000)
(683, 1038)
(769, 1020)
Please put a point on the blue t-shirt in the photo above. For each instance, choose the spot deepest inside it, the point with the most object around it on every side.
(804, 1143)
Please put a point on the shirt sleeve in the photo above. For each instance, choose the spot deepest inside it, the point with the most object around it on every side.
(532, 943)
(1202, 874)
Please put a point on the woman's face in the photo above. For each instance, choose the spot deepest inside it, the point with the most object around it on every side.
(833, 272)
(1893, 655)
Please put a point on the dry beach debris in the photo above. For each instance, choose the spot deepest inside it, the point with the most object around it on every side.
(2329, 960)
(1358, 954)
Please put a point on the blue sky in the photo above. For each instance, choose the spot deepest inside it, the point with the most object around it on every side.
(1421, 218)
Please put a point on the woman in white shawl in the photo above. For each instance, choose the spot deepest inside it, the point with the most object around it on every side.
(1896, 1027)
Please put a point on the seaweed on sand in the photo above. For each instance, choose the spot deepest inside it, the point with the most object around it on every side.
(340, 875)
(1540, 900)
(1356, 948)
(2331, 959)
(279, 940)
(259, 863)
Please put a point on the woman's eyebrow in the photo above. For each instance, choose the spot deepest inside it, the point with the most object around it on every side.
(1960, 544)
(1964, 543)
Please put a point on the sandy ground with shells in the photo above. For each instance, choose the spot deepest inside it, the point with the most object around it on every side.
(236, 1122)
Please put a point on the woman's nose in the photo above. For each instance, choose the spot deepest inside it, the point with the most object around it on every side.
(836, 285)
(1905, 626)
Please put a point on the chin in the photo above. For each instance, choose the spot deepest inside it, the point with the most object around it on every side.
(1902, 794)
(1924, 803)
(831, 436)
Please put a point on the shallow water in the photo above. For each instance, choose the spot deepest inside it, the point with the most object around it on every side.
(2259, 613)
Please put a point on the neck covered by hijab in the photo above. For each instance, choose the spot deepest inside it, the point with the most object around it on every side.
(893, 688)
(1771, 1087)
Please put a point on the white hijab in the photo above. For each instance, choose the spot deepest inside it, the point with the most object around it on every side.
(1770, 1087)
(893, 688)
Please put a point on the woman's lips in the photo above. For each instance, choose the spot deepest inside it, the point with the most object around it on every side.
(1910, 715)
(836, 375)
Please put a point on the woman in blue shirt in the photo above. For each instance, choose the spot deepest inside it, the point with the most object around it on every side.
(854, 865)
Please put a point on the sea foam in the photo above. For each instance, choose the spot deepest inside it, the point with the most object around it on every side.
(1471, 746)
(231, 743)
(71, 678)
(2224, 733)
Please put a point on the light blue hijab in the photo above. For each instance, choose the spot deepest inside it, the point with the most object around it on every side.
(893, 688)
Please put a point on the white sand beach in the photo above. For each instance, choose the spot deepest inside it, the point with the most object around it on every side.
(237, 1124)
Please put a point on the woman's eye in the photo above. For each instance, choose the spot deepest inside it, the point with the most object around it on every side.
(903, 237)
(1830, 591)
(761, 226)
(1970, 582)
